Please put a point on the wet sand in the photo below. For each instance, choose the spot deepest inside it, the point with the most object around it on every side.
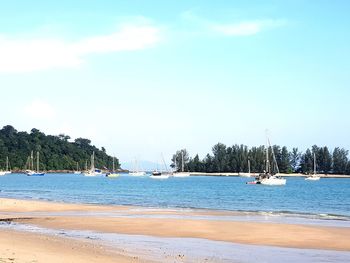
(23, 247)
(137, 221)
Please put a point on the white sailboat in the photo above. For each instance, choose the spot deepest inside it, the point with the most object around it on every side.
(113, 173)
(77, 171)
(32, 172)
(314, 176)
(7, 171)
(182, 173)
(135, 169)
(92, 171)
(159, 175)
(268, 178)
(246, 174)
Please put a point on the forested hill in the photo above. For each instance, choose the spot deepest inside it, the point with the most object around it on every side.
(56, 152)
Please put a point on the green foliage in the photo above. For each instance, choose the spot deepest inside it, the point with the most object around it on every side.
(235, 159)
(56, 152)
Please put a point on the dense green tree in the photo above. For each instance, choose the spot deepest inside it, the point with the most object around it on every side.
(306, 163)
(179, 159)
(295, 156)
(56, 152)
(219, 158)
(340, 160)
(325, 160)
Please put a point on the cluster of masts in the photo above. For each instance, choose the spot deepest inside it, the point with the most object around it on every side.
(268, 177)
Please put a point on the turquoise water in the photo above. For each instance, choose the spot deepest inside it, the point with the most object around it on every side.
(327, 197)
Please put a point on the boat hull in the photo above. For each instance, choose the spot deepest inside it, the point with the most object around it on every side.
(162, 176)
(312, 178)
(272, 181)
(112, 175)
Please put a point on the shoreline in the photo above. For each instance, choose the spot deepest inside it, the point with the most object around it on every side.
(42, 205)
(219, 174)
(160, 223)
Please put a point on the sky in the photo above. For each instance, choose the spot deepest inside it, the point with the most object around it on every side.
(142, 78)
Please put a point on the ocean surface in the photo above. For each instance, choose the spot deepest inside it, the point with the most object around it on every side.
(325, 199)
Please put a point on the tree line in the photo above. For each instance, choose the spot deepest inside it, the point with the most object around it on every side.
(56, 152)
(236, 158)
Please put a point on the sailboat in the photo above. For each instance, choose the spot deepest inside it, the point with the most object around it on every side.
(246, 174)
(159, 175)
(7, 171)
(113, 173)
(136, 171)
(314, 176)
(268, 178)
(182, 173)
(77, 171)
(31, 172)
(92, 171)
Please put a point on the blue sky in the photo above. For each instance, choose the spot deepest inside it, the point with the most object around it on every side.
(145, 77)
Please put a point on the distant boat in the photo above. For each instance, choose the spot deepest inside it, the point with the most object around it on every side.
(135, 170)
(77, 171)
(182, 173)
(314, 176)
(32, 172)
(7, 171)
(268, 178)
(92, 170)
(159, 175)
(113, 173)
(246, 174)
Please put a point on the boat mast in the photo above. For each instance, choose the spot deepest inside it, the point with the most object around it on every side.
(7, 163)
(182, 161)
(166, 168)
(274, 157)
(31, 161)
(93, 161)
(314, 164)
(113, 164)
(267, 169)
(248, 166)
(37, 162)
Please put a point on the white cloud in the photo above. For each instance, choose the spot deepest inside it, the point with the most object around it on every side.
(239, 28)
(26, 55)
(246, 28)
(39, 109)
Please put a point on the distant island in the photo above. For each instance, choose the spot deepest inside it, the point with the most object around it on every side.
(56, 152)
(235, 158)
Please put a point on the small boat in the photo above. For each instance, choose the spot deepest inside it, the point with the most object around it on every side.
(112, 174)
(7, 171)
(268, 178)
(246, 174)
(77, 171)
(32, 172)
(314, 176)
(136, 171)
(92, 171)
(159, 175)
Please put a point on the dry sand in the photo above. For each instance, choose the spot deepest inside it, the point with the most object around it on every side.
(135, 221)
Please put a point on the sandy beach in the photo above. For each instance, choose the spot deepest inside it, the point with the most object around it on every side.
(36, 247)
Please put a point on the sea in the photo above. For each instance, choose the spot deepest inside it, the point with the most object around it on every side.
(328, 198)
(325, 202)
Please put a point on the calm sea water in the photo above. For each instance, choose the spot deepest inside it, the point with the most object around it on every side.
(324, 197)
